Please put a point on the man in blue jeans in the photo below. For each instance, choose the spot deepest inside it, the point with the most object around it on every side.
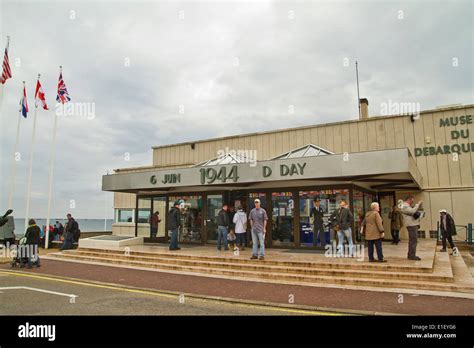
(344, 219)
(258, 222)
(222, 227)
(174, 222)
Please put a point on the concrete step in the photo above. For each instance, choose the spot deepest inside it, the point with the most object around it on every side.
(333, 263)
(461, 272)
(274, 276)
(264, 267)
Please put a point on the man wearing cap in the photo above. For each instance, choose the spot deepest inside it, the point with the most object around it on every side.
(174, 223)
(317, 213)
(447, 228)
(258, 222)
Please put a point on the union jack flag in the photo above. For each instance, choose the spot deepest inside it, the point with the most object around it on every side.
(6, 73)
(63, 95)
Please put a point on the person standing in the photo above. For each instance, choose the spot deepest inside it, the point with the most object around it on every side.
(317, 213)
(240, 222)
(411, 221)
(374, 232)
(396, 224)
(71, 230)
(344, 220)
(258, 222)
(33, 241)
(448, 229)
(222, 227)
(154, 221)
(174, 223)
(59, 229)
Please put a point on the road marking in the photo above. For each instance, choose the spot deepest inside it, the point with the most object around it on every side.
(39, 290)
(160, 294)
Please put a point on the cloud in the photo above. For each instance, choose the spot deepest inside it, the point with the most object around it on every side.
(232, 68)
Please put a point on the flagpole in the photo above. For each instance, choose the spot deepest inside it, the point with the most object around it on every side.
(358, 95)
(51, 169)
(15, 149)
(31, 165)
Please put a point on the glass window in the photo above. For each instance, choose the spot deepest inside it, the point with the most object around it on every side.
(124, 215)
(143, 217)
(329, 201)
(368, 198)
(251, 198)
(159, 206)
(282, 218)
(214, 206)
(358, 211)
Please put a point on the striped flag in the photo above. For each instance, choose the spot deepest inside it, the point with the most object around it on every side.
(6, 72)
(63, 95)
(24, 103)
(39, 95)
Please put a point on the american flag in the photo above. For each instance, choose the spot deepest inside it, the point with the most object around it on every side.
(6, 73)
(63, 95)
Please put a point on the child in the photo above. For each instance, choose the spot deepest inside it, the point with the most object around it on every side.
(231, 237)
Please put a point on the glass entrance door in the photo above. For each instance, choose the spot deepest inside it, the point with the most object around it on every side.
(387, 201)
(191, 218)
(282, 218)
(214, 205)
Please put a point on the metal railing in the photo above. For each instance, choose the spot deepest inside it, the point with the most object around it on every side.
(463, 233)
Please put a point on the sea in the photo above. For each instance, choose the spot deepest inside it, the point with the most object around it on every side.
(85, 225)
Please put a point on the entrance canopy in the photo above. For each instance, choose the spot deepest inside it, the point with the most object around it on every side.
(380, 170)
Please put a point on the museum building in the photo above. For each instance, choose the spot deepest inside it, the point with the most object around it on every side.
(384, 158)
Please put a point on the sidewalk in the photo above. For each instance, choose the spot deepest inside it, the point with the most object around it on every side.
(317, 297)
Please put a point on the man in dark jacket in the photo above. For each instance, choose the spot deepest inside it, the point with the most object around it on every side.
(33, 239)
(317, 213)
(174, 223)
(222, 227)
(72, 233)
(447, 228)
(344, 220)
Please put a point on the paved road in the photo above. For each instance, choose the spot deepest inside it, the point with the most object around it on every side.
(47, 296)
(320, 297)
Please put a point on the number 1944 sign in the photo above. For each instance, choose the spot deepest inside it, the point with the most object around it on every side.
(211, 175)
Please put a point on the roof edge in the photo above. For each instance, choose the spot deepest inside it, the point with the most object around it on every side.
(428, 111)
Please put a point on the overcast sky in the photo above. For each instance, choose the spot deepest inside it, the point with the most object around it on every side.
(167, 72)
